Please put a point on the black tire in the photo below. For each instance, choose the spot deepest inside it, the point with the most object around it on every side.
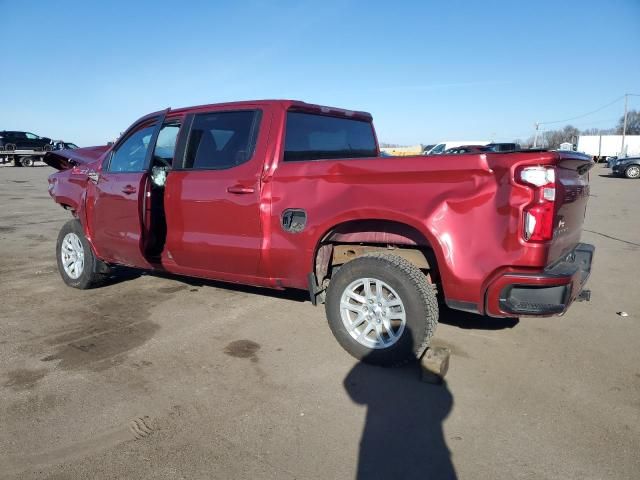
(94, 273)
(27, 161)
(632, 171)
(417, 295)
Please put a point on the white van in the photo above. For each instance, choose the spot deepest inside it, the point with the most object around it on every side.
(441, 147)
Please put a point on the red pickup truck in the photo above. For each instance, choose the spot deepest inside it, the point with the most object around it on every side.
(285, 194)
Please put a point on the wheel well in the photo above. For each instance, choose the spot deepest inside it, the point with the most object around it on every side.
(350, 240)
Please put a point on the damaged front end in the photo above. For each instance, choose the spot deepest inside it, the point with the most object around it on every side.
(67, 187)
(67, 159)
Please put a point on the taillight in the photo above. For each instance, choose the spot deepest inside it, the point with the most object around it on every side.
(539, 214)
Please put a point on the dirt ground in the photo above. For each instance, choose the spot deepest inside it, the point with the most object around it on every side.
(157, 378)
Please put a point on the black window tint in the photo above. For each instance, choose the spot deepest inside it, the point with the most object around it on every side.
(130, 155)
(314, 137)
(221, 140)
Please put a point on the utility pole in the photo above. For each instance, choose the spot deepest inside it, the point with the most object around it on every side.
(624, 124)
(535, 138)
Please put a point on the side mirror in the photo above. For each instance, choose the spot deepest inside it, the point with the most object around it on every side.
(93, 176)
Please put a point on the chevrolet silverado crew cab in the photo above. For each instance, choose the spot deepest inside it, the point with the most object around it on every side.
(285, 194)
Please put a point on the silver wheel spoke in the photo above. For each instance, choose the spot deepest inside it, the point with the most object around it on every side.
(388, 328)
(351, 307)
(378, 330)
(357, 322)
(365, 331)
(356, 297)
(378, 292)
(367, 288)
(396, 302)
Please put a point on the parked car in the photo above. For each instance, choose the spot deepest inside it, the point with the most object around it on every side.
(426, 148)
(62, 145)
(14, 140)
(467, 149)
(628, 166)
(504, 147)
(440, 148)
(285, 194)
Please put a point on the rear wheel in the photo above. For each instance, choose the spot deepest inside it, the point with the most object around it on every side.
(381, 309)
(77, 264)
(632, 171)
(27, 161)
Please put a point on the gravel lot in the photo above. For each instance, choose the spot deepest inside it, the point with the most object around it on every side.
(159, 377)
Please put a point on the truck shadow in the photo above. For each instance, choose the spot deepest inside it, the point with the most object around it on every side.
(448, 316)
(402, 435)
(466, 320)
(125, 274)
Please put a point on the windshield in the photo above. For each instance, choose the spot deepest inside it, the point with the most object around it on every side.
(439, 148)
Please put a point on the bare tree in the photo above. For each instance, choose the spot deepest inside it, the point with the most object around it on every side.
(598, 131)
(553, 138)
(633, 123)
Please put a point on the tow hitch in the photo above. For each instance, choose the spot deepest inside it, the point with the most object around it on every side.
(584, 296)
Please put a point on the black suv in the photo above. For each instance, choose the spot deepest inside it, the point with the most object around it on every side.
(12, 140)
(504, 147)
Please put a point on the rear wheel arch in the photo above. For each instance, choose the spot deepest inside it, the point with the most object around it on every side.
(356, 238)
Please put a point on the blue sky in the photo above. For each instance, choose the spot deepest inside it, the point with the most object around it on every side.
(426, 70)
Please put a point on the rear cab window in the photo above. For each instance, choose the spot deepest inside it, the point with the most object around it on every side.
(310, 136)
(221, 140)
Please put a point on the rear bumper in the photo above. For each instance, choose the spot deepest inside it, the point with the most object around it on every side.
(545, 293)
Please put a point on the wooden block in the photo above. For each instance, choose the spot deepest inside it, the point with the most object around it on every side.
(435, 364)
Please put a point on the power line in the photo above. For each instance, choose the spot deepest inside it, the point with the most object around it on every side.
(585, 114)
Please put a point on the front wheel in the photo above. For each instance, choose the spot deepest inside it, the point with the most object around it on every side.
(381, 309)
(632, 171)
(77, 264)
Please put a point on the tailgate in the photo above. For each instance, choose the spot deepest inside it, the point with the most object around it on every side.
(572, 193)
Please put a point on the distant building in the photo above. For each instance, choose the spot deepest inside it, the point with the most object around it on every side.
(602, 146)
(402, 151)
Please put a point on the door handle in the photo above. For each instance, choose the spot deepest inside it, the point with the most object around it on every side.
(129, 189)
(241, 189)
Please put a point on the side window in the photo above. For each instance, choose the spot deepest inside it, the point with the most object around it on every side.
(130, 155)
(316, 137)
(31, 136)
(221, 140)
(166, 143)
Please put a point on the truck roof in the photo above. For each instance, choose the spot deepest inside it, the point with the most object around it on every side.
(285, 105)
